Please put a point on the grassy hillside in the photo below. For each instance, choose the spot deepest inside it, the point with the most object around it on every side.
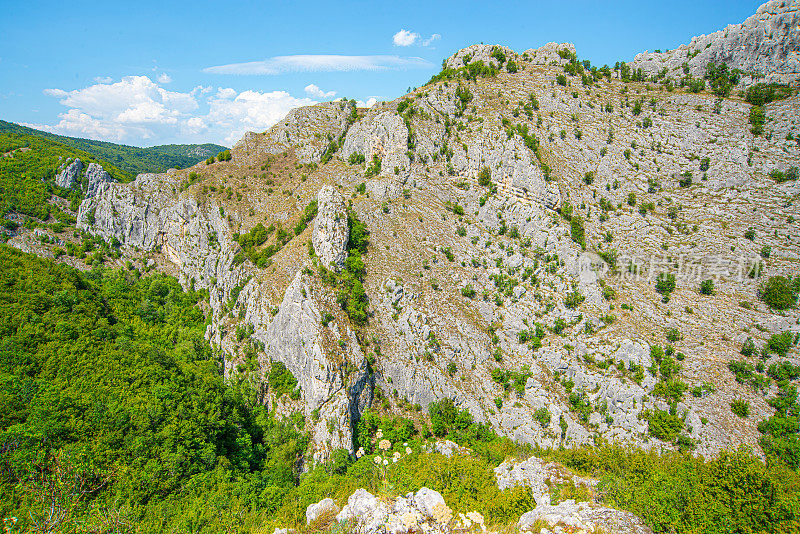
(28, 164)
(131, 159)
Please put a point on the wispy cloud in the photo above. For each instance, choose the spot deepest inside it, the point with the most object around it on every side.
(408, 38)
(320, 63)
(430, 40)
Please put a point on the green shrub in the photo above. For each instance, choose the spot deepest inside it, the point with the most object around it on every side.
(665, 284)
(780, 343)
(780, 293)
(374, 168)
(356, 158)
(573, 299)
(281, 381)
(542, 415)
(681, 493)
(740, 408)
(707, 287)
(763, 93)
(578, 233)
(664, 425)
(484, 177)
(757, 119)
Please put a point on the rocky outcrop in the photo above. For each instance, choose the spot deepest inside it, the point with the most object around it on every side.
(70, 174)
(766, 45)
(551, 53)
(95, 177)
(424, 511)
(335, 382)
(580, 517)
(478, 52)
(382, 134)
(319, 511)
(331, 231)
(537, 475)
(307, 130)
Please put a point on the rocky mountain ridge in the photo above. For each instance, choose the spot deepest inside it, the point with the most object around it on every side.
(519, 221)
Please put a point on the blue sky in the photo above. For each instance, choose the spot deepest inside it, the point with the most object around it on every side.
(146, 72)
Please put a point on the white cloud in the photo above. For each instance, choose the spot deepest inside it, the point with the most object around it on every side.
(320, 63)
(226, 93)
(314, 91)
(404, 38)
(103, 79)
(371, 101)
(251, 110)
(164, 78)
(430, 40)
(137, 110)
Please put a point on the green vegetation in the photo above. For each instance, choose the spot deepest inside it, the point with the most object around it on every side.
(108, 384)
(757, 119)
(664, 425)
(707, 287)
(28, 171)
(374, 168)
(130, 160)
(721, 79)
(677, 492)
(356, 158)
(790, 175)
(763, 93)
(577, 231)
(665, 284)
(470, 71)
(351, 295)
(281, 381)
(573, 299)
(780, 292)
(741, 408)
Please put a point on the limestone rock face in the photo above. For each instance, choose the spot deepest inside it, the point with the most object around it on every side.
(304, 129)
(550, 53)
(380, 133)
(478, 52)
(765, 44)
(295, 338)
(70, 174)
(96, 176)
(331, 232)
(538, 475)
(583, 516)
(322, 508)
(423, 511)
(197, 240)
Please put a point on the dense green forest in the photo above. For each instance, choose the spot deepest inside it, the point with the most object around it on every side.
(130, 159)
(29, 163)
(114, 411)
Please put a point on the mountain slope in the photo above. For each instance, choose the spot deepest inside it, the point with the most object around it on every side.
(568, 253)
(131, 159)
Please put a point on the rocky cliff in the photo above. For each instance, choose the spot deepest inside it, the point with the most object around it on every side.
(518, 222)
(765, 47)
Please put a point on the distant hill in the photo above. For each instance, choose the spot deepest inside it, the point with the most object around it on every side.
(28, 164)
(131, 159)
